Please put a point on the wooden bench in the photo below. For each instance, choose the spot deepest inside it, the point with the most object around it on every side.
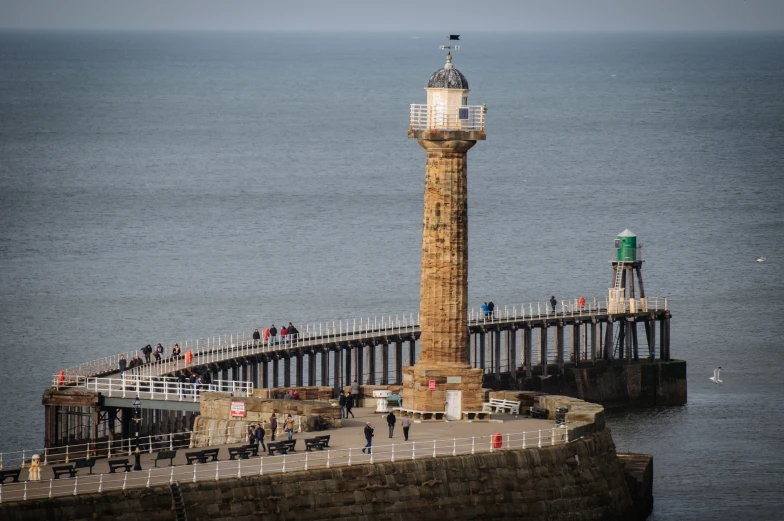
(290, 444)
(84, 463)
(13, 474)
(252, 449)
(115, 464)
(279, 447)
(165, 454)
(63, 470)
(498, 405)
(211, 453)
(313, 443)
(240, 452)
(199, 456)
(324, 440)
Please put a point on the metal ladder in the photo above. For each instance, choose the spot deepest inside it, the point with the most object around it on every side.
(618, 277)
(178, 501)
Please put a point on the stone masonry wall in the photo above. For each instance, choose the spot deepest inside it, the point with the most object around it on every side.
(581, 481)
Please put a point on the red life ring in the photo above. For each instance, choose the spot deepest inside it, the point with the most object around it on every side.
(61, 378)
(498, 441)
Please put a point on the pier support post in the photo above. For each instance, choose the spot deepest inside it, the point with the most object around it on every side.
(336, 375)
(634, 344)
(528, 351)
(347, 362)
(370, 364)
(299, 369)
(384, 363)
(482, 352)
(497, 351)
(359, 363)
(511, 349)
(265, 383)
(311, 369)
(325, 367)
(595, 338)
(608, 340)
(575, 343)
(412, 351)
(543, 349)
(275, 373)
(559, 346)
(398, 362)
(287, 370)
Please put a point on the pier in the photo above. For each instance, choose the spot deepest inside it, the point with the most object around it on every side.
(93, 401)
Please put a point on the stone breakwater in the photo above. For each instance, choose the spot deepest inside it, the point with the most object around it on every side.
(581, 481)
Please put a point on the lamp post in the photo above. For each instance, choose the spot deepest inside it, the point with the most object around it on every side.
(137, 419)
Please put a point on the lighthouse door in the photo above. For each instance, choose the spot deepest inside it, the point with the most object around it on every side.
(440, 113)
(453, 404)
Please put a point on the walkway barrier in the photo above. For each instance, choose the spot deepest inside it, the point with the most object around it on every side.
(412, 450)
(238, 345)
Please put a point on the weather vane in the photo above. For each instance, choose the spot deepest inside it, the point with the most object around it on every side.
(452, 37)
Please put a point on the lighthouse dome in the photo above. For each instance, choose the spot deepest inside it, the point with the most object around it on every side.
(448, 77)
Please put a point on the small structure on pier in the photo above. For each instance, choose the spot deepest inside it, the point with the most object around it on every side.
(446, 127)
(627, 266)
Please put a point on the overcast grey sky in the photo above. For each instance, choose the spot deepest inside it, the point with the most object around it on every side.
(447, 15)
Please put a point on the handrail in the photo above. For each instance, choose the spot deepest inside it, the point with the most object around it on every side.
(280, 464)
(238, 345)
(434, 117)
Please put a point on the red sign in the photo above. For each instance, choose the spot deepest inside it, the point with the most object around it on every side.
(238, 409)
(432, 386)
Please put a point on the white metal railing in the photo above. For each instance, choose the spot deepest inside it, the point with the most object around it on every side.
(280, 464)
(125, 446)
(160, 387)
(224, 347)
(432, 117)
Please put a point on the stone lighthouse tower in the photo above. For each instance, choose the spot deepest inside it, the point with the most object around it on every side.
(446, 127)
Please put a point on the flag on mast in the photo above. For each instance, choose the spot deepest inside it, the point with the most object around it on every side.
(454, 37)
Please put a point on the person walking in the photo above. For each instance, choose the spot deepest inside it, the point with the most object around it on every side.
(290, 426)
(391, 419)
(266, 334)
(349, 404)
(292, 332)
(405, 422)
(355, 392)
(256, 337)
(123, 363)
(273, 333)
(342, 403)
(147, 351)
(368, 437)
(251, 435)
(484, 310)
(553, 302)
(259, 435)
(283, 333)
(490, 309)
(273, 425)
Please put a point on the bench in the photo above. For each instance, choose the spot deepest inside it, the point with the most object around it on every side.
(165, 454)
(13, 474)
(84, 463)
(290, 444)
(241, 452)
(279, 447)
(324, 440)
(539, 412)
(252, 449)
(211, 453)
(497, 405)
(62, 470)
(199, 456)
(115, 464)
(313, 443)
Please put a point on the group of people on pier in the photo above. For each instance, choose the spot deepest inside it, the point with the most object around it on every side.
(270, 334)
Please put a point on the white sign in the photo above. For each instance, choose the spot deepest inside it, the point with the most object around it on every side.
(238, 409)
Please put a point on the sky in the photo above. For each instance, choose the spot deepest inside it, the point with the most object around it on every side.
(392, 15)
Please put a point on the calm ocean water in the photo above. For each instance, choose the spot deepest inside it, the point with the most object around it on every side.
(160, 187)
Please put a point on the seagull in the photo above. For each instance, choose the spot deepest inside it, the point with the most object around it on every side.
(761, 259)
(715, 377)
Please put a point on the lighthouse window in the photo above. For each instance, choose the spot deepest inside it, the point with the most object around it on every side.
(465, 100)
(617, 243)
(462, 113)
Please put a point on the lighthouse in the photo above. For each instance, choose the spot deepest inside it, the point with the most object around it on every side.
(442, 382)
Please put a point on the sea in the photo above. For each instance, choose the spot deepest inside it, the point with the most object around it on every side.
(162, 187)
